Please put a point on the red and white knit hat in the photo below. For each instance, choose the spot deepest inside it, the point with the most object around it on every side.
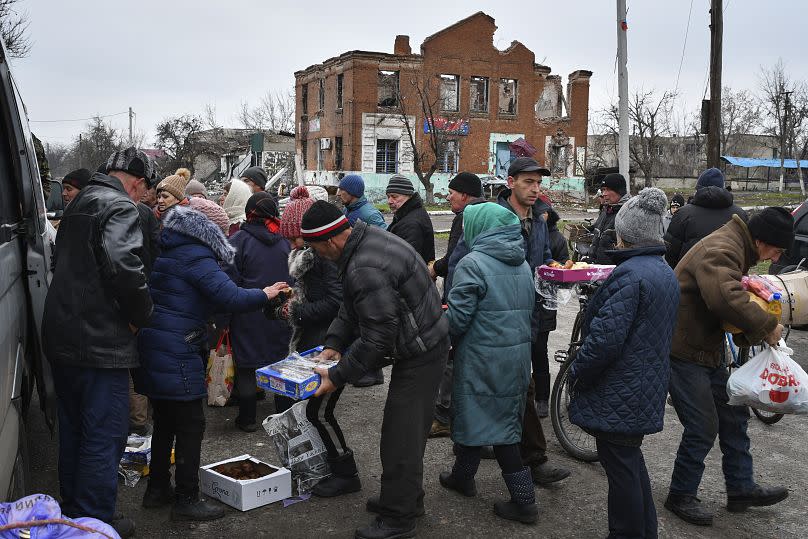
(299, 202)
(322, 221)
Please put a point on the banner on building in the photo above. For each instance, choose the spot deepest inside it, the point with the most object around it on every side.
(444, 125)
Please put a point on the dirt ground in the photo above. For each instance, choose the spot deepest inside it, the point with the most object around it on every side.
(574, 508)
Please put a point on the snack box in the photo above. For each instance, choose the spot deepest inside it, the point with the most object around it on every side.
(246, 494)
(594, 272)
(293, 377)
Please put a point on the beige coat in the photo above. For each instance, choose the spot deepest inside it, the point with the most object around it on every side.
(711, 293)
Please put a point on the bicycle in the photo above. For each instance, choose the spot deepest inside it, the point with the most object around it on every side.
(575, 441)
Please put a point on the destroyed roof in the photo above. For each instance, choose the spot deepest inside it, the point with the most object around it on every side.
(458, 23)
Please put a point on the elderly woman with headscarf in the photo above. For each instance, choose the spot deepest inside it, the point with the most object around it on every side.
(261, 257)
(234, 204)
(490, 306)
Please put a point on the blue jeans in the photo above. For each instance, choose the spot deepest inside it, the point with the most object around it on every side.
(93, 409)
(699, 395)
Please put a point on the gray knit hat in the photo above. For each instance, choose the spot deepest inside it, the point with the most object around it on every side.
(401, 185)
(639, 221)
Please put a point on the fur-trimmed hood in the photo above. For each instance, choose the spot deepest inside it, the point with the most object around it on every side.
(193, 224)
(301, 261)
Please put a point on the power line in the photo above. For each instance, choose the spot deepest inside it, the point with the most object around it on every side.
(684, 47)
(78, 119)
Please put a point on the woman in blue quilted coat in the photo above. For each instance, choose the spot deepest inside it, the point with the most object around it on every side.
(620, 374)
(187, 287)
(490, 308)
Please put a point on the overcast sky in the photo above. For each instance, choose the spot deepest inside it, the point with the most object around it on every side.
(167, 57)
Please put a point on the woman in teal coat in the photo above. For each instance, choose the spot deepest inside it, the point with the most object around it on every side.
(490, 305)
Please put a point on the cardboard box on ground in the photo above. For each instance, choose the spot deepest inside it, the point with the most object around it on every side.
(261, 483)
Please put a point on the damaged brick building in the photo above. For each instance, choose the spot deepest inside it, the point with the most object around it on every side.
(354, 112)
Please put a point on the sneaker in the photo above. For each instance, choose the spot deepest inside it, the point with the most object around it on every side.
(195, 508)
(544, 474)
(543, 408)
(757, 497)
(439, 430)
(689, 509)
(378, 529)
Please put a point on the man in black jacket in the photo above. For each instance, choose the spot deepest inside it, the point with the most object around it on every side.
(614, 194)
(711, 207)
(465, 189)
(97, 301)
(393, 307)
(411, 222)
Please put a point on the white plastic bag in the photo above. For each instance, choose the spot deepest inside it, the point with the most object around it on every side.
(299, 446)
(220, 372)
(770, 381)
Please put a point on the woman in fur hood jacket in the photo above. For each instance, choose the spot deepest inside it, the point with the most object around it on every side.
(314, 303)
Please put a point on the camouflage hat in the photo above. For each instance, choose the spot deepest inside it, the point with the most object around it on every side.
(132, 161)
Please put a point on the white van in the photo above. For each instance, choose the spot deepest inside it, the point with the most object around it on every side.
(24, 277)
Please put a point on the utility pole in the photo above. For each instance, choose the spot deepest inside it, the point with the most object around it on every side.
(131, 117)
(783, 131)
(622, 91)
(716, 43)
(80, 150)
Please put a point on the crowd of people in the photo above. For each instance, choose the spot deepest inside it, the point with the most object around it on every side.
(145, 267)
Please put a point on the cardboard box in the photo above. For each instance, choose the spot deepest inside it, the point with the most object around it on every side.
(594, 272)
(246, 494)
(293, 377)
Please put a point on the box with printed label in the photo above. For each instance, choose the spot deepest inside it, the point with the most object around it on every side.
(294, 376)
(245, 482)
(593, 272)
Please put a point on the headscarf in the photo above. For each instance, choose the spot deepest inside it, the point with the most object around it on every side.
(479, 218)
(236, 200)
(261, 208)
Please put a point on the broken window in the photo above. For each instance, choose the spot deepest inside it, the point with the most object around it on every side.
(507, 96)
(449, 92)
(478, 92)
(388, 88)
(339, 90)
(338, 152)
(305, 98)
(386, 156)
(321, 98)
(450, 157)
(304, 149)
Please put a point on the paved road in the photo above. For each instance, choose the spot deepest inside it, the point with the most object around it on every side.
(576, 508)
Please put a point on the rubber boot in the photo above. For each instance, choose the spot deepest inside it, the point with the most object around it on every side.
(195, 508)
(344, 478)
(461, 478)
(522, 505)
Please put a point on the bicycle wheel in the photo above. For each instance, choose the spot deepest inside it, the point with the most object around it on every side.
(769, 418)
(572, 438)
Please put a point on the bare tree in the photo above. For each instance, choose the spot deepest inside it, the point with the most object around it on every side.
(650, 118)
(275, 111)
(740, 115)
(95, 144)
(177, 137)
(59, 158)
(427, 152)
(14, 29)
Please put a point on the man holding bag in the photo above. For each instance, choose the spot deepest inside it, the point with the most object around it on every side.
(709, 278)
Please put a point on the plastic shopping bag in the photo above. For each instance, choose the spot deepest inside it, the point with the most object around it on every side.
(299, 446)
(770, 381)
(40, 516)
(220, 372)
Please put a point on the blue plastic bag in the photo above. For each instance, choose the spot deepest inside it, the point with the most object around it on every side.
(38, 507)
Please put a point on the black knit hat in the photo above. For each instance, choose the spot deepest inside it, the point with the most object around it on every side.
(401, 185)
(677, 200)
(616, 182)
(257, 175)
(77, 178)
(322, 221)
(467, 183)
(261, 206)
(773, 225)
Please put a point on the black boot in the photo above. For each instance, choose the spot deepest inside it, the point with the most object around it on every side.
(461, 478)
(124, 526)
(374, 505)
(545, 474)
(195, 508)
(343, 479)
(689, 509)
(370, 378)
(157, 495)
(378, 529)
(522, 505)
(757, 497)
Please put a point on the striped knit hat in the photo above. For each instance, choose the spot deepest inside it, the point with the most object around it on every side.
(299, 202)
(401, 185)
(322, 221)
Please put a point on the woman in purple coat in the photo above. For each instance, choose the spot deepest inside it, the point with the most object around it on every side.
(261, 257)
